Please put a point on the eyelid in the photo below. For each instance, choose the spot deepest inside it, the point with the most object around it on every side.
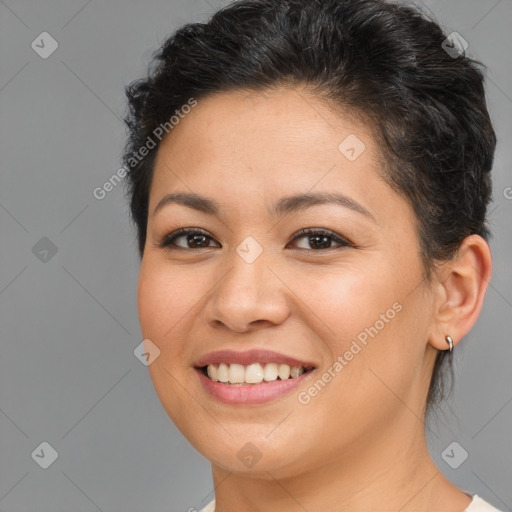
(167, 240)
(344, 242)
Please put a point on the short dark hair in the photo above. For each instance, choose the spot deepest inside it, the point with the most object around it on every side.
(384, 62)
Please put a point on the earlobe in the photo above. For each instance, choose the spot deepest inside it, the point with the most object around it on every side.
(461, 292)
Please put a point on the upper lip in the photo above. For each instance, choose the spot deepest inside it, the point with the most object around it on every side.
(249, 357)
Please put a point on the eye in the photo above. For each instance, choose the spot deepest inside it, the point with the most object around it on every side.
(321, 238)
(194, 238)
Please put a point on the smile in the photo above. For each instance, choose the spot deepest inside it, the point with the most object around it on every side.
(251, 377)
(255, 373)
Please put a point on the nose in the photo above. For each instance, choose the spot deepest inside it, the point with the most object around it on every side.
(251, 295)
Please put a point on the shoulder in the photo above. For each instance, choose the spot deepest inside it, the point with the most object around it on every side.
(479, 505)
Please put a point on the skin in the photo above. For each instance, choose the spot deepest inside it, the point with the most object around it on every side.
(359, 444)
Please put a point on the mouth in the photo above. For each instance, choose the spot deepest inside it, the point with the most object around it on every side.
(253, 377)
(234, 374)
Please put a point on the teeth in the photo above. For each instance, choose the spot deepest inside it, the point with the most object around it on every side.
(252, 374)
(296, 371)
(270, 372)
(284, 371)
(212, 372)
(222, 372)
(236, 374)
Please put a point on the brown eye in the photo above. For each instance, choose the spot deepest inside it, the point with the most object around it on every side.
(194, 239)
(319, 239)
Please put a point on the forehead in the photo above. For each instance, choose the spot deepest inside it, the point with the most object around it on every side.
(286, 137)
(271, 117)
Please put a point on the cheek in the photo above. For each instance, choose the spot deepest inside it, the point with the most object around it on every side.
(347, 301)
(166, 300)
(369, 319)
(150, 296)
(163, 299)
(379, 331)
(156, 300)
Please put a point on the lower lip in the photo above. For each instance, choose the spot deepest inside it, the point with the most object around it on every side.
(246, 394)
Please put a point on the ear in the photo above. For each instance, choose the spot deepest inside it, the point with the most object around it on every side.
(460, 288)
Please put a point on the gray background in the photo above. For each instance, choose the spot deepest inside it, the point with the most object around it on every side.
(68, 375)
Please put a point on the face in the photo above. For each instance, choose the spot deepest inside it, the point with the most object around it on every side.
(245, 287)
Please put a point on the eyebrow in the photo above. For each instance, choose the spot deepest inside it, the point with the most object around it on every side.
(284, 206)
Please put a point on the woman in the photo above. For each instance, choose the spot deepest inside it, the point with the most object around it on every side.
(309, 181)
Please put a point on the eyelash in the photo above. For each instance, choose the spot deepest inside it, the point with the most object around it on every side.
(168, 240)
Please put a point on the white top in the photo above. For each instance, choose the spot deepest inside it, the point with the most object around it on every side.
(477, 505)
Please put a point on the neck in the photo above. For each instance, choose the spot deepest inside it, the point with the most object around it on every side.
(392, 471)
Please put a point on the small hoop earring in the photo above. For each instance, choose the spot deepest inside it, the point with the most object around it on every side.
(449, 340)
